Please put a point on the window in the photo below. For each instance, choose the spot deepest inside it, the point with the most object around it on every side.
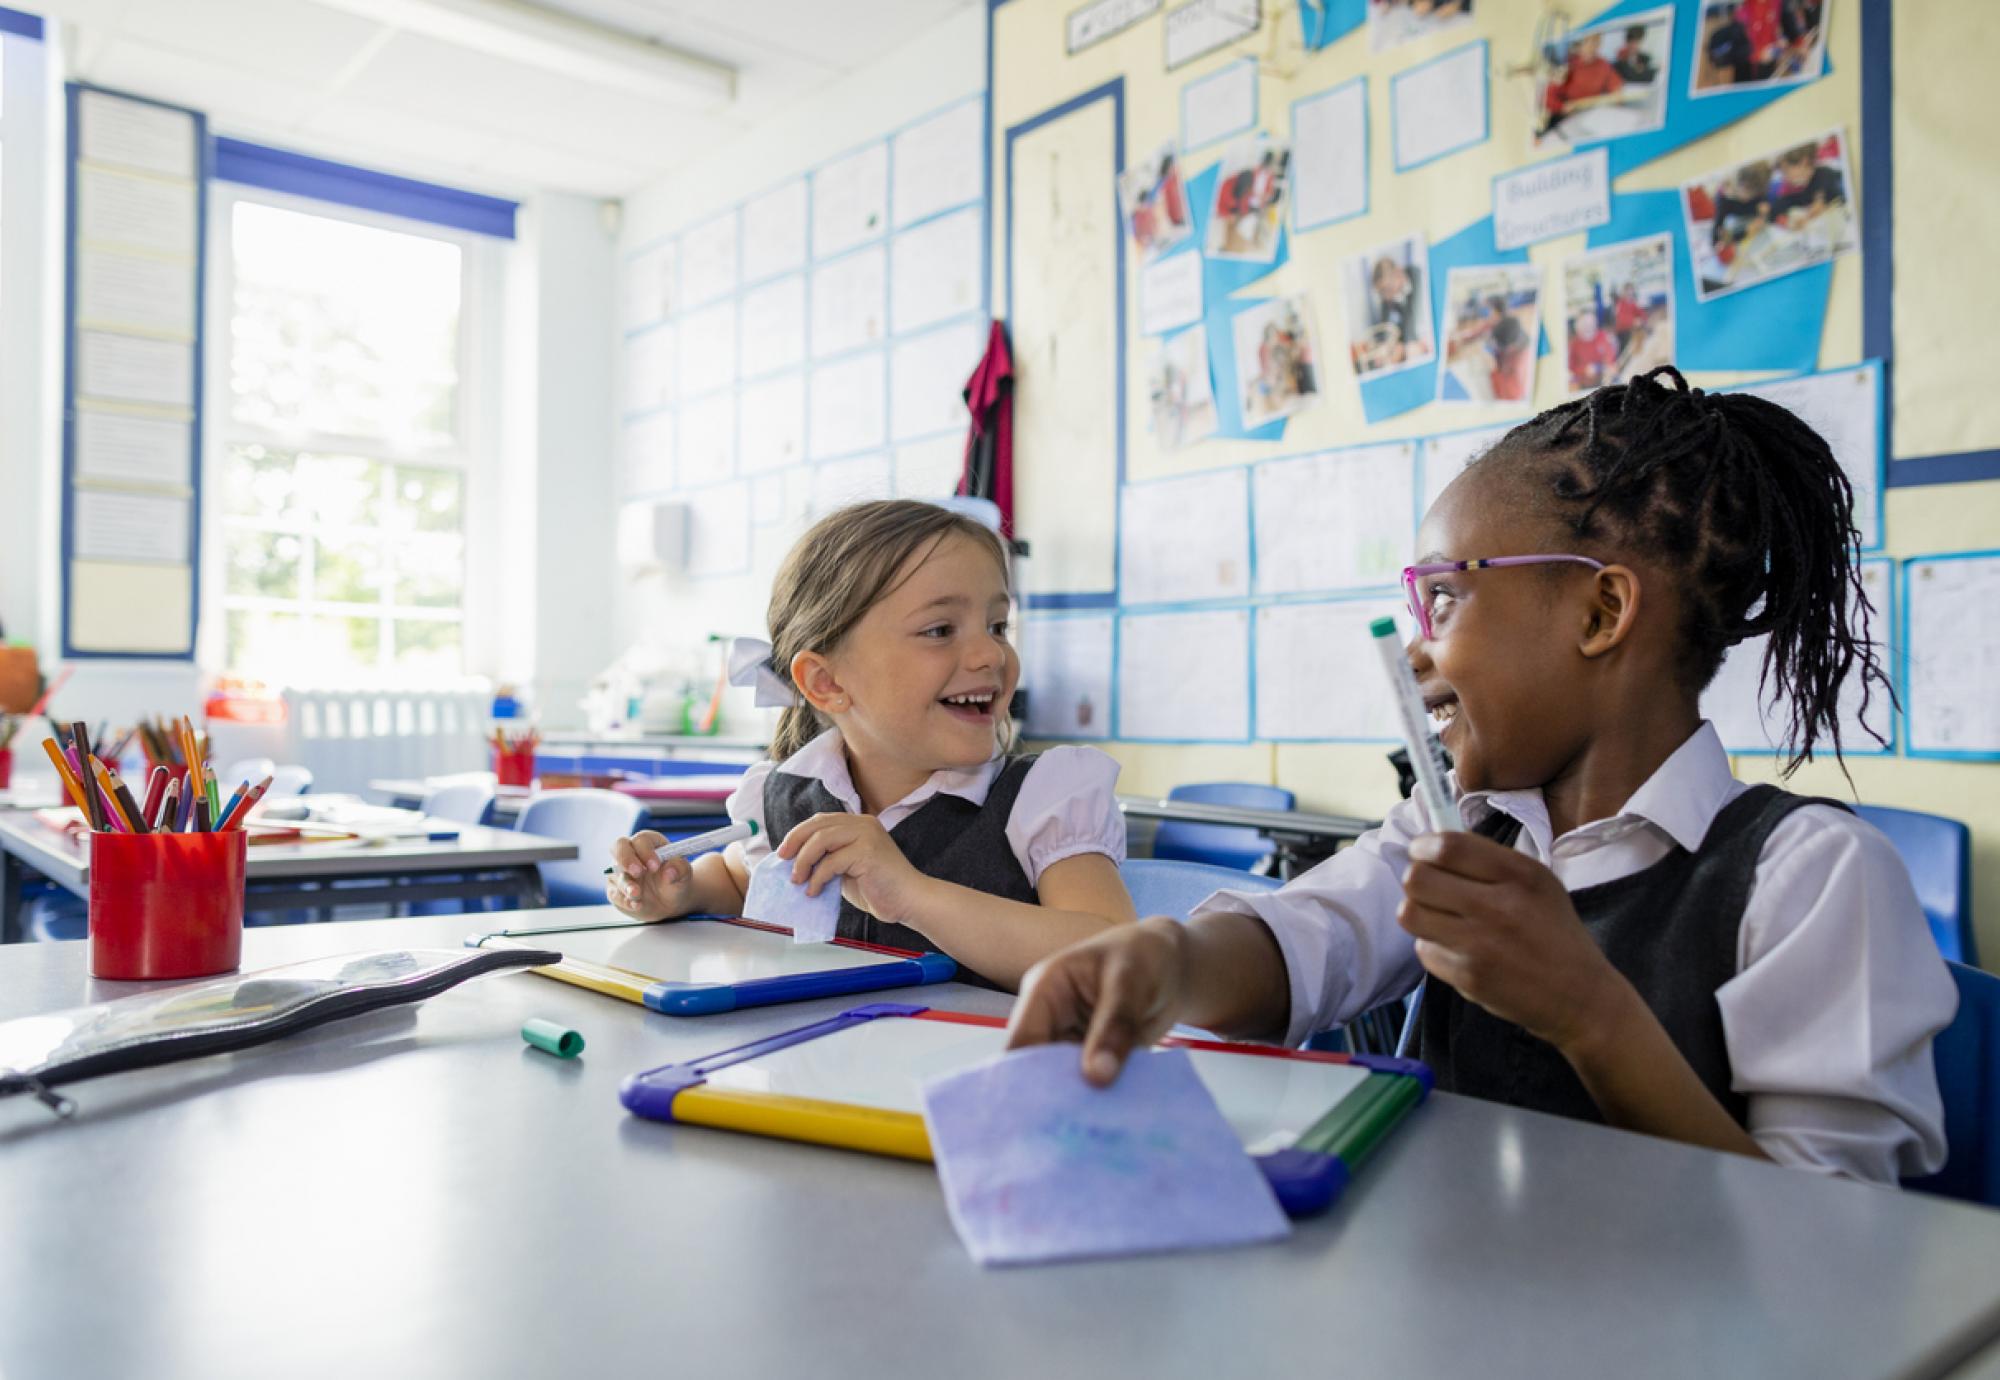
(342, 453)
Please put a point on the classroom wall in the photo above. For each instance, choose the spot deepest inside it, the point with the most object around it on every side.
(666, 618)
(1946, 108)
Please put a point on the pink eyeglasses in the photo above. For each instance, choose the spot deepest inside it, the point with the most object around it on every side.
(1420, 608)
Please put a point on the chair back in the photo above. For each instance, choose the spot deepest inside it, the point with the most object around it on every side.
(251, 769)
(1222, 845)
(1938, 852)
(461, 802)
(592, 820)
(290, 780)
(1163, 886)
(1968, 1073)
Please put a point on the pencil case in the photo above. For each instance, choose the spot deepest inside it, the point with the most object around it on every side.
(38, 1053)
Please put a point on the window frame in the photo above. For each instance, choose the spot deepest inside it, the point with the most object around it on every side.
(471, 457)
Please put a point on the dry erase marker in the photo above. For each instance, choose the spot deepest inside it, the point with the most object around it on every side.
(1426, 755)
(701, 843)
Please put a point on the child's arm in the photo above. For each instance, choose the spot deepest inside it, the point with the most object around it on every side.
(998, 938)
(1499, 927)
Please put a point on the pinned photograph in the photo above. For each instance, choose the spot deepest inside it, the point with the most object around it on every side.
(1747, 44)
(1771, 216)
(1492, 316)
(1619, 301)
(1277, 359)
(1154, 200)
(1607, 81)
(1249, 208)
(1182, 398)
(1392, 23)
(1389, 308)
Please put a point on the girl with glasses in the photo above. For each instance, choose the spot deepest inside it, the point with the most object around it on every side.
(1623, 932)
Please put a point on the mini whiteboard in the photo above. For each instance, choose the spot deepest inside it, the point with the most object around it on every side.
(1340, 520)
(723, 951)
(1751, 725)
(1316, 677)
(1951, 676)
(1185, 677)
(1185, 539)
(1270, 1098)
(1845, 407)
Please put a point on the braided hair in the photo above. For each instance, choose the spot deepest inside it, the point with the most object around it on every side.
(1746, 504)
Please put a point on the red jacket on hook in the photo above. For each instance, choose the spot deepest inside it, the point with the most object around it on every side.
(989, 444)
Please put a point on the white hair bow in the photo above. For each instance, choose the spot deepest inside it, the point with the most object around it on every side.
(750, 667)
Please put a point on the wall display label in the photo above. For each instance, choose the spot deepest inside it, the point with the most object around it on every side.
(1559, 197)
(1199, 27)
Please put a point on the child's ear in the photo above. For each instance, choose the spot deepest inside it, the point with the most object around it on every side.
(816, 682)
(1613, 611)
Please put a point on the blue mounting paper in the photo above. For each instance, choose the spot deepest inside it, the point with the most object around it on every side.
(1775, 325)
(1383, 398)
(1322, 21)
(1219, 278)
(776, 899)
(1688, 119)
(1037, 1165)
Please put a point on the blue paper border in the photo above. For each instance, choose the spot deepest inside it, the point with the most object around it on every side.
(1907, 693)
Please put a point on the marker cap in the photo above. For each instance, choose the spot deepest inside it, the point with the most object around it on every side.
(553, 1038)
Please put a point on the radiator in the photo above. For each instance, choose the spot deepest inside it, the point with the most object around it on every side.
(348, 738)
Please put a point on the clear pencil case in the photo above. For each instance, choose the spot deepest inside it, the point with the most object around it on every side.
(38, 1053)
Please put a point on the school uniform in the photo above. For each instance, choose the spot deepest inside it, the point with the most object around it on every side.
(995, 828)
(1777, 938)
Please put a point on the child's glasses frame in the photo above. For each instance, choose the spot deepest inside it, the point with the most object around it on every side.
(1420, 608)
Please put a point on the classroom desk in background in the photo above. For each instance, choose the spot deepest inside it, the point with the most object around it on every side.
(479, 862)
(669, 800)
(418, 1192)
(1302, 837)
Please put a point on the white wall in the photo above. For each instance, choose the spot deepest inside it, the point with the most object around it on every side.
(667, 618)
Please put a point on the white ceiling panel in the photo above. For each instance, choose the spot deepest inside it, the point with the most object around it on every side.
(305, 43)
(213, 88)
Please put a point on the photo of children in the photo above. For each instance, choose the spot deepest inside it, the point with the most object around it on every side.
(1182, 398)
(1392, 23)
(1155, 203)
(1249, 205)
(1619, 302)
(1389, 308)
(1604, 82)
(1277, 359)
(1769, 217)
(1491, 318)
(1753, 43)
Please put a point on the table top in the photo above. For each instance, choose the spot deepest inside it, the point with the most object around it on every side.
(689, 795)
(418, 1192)
(59, 858)
(1284, 823)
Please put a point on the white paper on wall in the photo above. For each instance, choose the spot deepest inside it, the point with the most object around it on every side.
(1339, 520)
(1185, 676)
(1317, 677)
(1066, 669)
(1185, 539)
(938, 163)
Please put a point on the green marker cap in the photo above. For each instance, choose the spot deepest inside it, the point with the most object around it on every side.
(1382, 627)
(551, 1038)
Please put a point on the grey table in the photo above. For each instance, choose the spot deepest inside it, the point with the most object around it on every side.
(480, 862)
(1302, 837)
(418, 1193)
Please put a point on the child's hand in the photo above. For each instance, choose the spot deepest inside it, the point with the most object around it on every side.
(858, 852)
(645, 887)
(1116, 992)
(1499, 927)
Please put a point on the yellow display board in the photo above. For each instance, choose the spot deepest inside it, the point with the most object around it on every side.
(1048, 103)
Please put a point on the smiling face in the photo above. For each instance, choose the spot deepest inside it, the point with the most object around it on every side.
(1504, 678)
(928, 671)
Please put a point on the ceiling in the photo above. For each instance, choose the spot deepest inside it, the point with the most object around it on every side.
(330, 78)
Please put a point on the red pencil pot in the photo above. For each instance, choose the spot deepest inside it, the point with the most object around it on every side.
(166, 905)
(7, 768)
(514, 766)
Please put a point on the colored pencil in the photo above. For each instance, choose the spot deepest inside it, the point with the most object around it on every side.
(156, 790)
(123, 795)
(68, 776)
(79, 738)
(241, 815)
(170, 808)
(214, 796)
(111, 805)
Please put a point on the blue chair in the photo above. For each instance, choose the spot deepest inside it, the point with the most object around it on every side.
(593, 821)
(461, 802)
(1938, 852)
(1968, 1071)
(1223, 845)
(1160, 886)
